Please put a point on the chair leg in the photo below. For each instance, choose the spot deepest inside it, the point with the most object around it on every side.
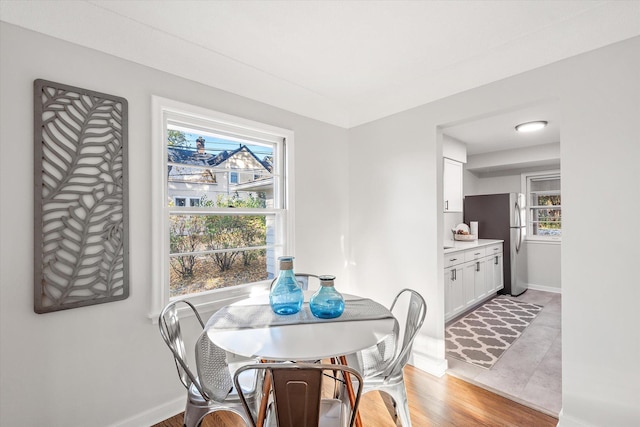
(401, 405)
(398, 408)
(193, 415)
(390, 406)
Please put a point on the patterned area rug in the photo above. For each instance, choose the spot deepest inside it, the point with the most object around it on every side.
(483, 335)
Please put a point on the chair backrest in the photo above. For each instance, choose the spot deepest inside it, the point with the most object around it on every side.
(297, 390)
(306, 281)
(170, 330)
(213, 371)
(375, 360)
(416, 312)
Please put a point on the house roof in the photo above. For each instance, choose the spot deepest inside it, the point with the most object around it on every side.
(191, 157)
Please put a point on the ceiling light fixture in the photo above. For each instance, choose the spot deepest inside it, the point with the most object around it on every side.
(531, 126)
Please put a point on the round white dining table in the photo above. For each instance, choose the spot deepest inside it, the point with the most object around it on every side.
(301, 341)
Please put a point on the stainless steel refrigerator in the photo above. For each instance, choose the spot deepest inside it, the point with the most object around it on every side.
(502, 216)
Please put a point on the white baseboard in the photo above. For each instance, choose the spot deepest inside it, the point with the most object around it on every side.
(600, 413)
(155, 415)
(431, 365)
(565, 421)
(553, 289)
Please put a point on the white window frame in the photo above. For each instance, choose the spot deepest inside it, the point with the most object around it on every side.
(525, 179)
(162, 110)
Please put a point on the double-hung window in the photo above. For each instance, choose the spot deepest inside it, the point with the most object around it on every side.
(544, 208)
(221, 204)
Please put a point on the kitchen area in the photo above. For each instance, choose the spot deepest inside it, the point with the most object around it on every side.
(501, 244)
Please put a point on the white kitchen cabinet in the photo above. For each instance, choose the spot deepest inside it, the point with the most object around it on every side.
(453, 284)
(495, 279)
(469, 283)
(480, 279)
(471, 276)
(454, 299)
(452, 185)
(474, 281)
(493, 271)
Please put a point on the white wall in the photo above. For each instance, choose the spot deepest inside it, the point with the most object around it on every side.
(600, 152)
(106, 365)
(545, 156)
(454, 149)
(450, 221)
(544, 270)
(396, 244)
(494, 184)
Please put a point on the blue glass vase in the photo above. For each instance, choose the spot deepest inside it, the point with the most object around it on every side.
(326, 303)
(286, 296)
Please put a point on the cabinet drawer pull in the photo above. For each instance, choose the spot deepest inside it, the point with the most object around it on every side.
(453, 259)
(477, 253)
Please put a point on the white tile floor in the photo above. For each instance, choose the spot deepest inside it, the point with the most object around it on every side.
(530, 371)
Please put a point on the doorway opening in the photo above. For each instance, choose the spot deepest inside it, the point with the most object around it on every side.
(494, 160)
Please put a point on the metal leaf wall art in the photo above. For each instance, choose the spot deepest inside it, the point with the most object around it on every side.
(81, 203)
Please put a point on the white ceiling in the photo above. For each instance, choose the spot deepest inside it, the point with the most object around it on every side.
(341, 62)
(496, 132)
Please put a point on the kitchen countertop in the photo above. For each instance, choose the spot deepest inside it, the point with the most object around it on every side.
(460, 245)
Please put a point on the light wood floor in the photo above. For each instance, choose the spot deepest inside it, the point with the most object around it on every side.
(433, 401)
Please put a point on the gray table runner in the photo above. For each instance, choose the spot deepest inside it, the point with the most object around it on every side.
(261, 316)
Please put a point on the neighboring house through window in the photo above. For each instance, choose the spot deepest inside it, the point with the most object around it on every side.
(221, 203)
(186, 201)
(544, 207)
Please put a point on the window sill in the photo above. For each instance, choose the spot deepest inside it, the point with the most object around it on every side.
(530, 241)
(210, 302)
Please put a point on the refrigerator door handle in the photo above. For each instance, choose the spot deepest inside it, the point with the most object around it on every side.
(519, 240)
(518, 217)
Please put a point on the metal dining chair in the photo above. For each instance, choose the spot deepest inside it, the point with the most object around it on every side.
(296, 395)
(382, 366)
(213, 388)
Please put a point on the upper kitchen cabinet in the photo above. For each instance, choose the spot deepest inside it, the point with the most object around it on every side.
(454, 153)
(452, 181)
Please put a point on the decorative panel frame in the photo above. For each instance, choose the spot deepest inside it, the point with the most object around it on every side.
(81, 215)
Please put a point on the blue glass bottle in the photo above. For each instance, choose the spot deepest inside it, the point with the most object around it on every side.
(326, 303)
(286, 296)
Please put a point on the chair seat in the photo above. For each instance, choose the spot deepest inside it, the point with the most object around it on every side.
(333, 413)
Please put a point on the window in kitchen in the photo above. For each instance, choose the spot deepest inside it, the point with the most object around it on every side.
(544, 207)
(220, 203)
